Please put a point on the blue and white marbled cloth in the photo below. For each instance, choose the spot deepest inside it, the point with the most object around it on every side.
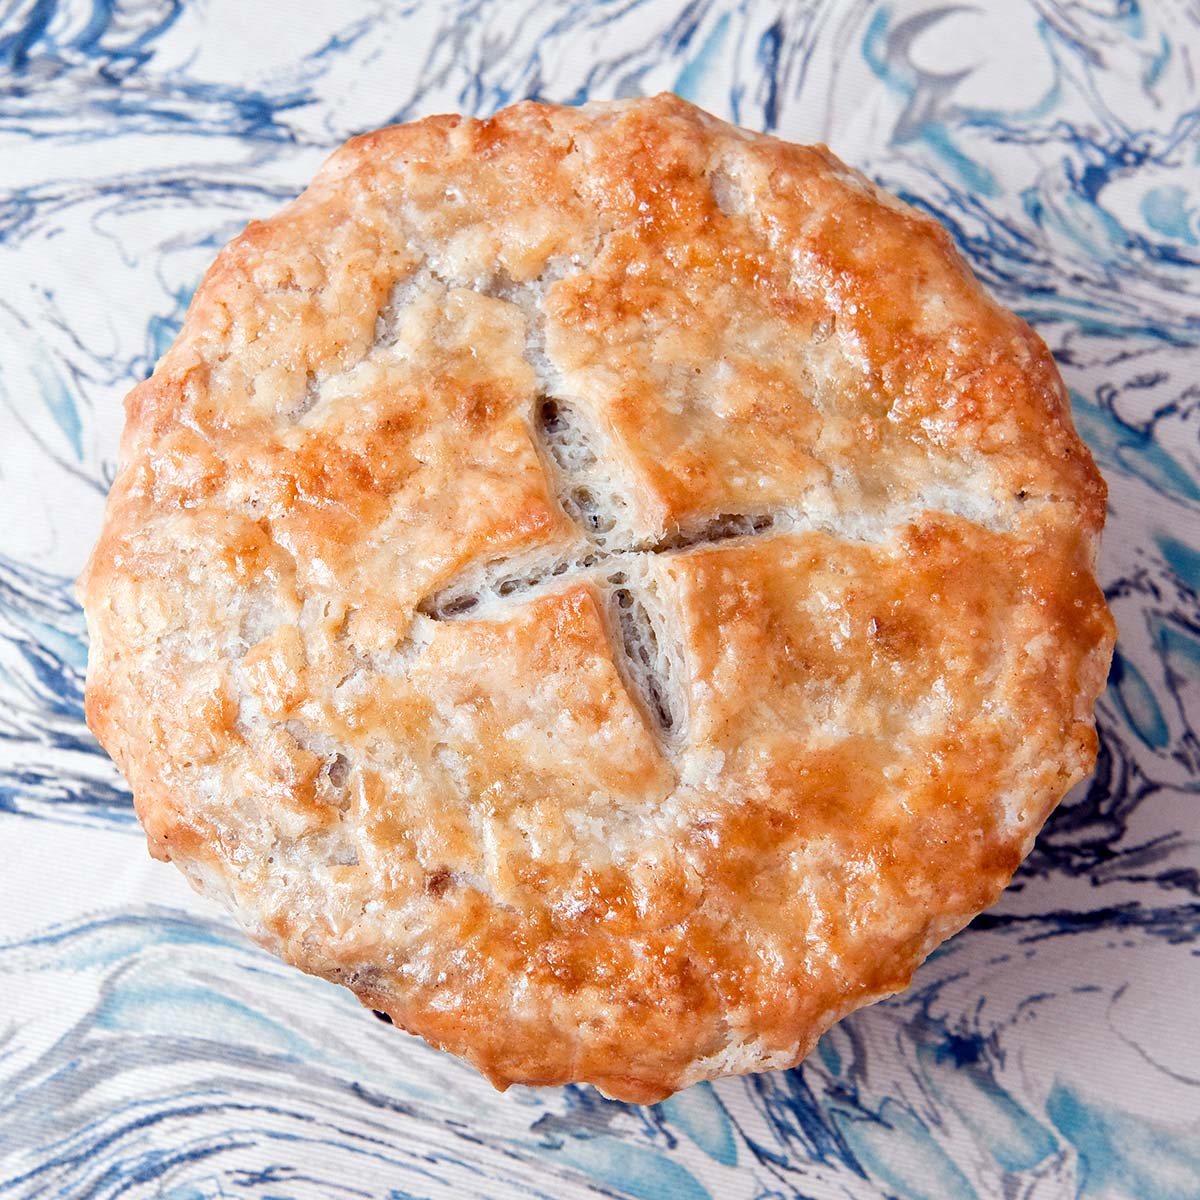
(1050, 1050)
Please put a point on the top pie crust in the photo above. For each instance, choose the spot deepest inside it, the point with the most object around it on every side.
(608, 587)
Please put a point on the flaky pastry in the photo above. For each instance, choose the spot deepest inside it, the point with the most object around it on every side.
(608, 587)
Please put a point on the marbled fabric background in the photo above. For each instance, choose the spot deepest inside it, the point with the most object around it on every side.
(1050, 1050)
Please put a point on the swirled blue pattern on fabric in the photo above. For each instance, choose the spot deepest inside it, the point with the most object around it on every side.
(1052, 1049)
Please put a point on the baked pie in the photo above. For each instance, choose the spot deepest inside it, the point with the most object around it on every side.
(608, 587)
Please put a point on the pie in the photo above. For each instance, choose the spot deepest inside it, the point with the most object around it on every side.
(608, 587)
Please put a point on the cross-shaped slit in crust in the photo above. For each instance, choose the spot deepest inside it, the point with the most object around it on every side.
(621, 568)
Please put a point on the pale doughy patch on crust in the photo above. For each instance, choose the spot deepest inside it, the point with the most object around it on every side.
(608, 587)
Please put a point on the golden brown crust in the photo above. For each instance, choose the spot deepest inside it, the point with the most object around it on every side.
(860, 710)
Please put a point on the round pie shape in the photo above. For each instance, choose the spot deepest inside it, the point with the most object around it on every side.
(607, 587)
